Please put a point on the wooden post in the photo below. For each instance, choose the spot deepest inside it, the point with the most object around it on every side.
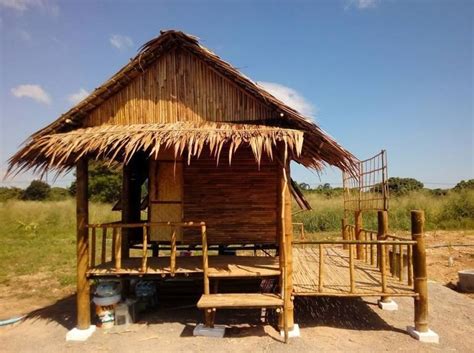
(117, 234)
(93, 246)
(358, 234)
(173, 252)
(420, 272)
(82, 216)
(209, 314)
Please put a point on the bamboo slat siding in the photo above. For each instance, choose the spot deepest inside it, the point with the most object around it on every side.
(177, 87)
(237, 202)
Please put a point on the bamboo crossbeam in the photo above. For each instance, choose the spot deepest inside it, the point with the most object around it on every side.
(142, 224)
(354, 242)
(145, 249)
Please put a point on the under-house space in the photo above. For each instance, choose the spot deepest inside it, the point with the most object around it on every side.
(207, 193)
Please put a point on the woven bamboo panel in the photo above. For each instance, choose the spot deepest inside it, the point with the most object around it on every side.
(178, 86)
(237, 202)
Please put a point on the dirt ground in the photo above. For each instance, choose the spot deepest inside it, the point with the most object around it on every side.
(326, 324)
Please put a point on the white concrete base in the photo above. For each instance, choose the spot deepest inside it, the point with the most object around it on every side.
(80, 335)
(427, 337)
(295, 332)
(389, 306)
(216, 331)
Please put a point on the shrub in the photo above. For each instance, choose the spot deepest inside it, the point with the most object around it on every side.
(37, 191)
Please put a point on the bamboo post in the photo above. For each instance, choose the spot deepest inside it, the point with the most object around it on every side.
(82, 216)
(118, 248)
(209, 315)
(93, 246)
(114, 239)
(382, 231)
(410, 264)
(351, 268)
(383, 272)
(372, 251)
(321, 267)
(145, 249)
(420, 271)
(103, 248)
(400, 263)
(345, 235)
(288, 301)
(358, 234)
(173, 252)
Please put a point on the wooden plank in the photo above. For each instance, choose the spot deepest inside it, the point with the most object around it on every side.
(240, 301)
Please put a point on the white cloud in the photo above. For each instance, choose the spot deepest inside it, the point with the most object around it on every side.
(24, 5)
(121, 42)
(35, 92)
(75, 98)
(290, 97)
(361, 4)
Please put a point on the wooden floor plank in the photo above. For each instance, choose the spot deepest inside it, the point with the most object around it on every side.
(240, 301)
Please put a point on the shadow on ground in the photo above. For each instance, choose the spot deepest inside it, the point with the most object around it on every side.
(344, 313)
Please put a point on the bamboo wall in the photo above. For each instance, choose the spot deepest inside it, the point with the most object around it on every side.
(178, 86)
(237, 202)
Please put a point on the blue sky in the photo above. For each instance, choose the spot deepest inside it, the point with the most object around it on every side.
(375, 74)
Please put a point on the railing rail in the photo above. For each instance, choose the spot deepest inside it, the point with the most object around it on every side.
(116, 248)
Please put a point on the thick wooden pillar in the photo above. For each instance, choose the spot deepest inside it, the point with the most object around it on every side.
(82, 215)
(419, 271)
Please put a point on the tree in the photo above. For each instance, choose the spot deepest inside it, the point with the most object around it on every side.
(401, 186)
(304, 186)
(38, 190)
(104, 183)
(465, 185)
(7, 193)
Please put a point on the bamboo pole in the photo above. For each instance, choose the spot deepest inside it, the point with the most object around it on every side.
(382, 231)
(118, 248)
(400, 263)
(114, 239)
(209, 315)
(173, 252)
(420, 271)
(358, 234)
(410, 264)
(351, 267)
(383, 272)
(321, 267)
(345, 235)
(82, 216)
(93, 247)
(103, 248)
(145, 249)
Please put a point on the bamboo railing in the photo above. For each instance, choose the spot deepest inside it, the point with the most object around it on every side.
(369, 246)
(116, 241)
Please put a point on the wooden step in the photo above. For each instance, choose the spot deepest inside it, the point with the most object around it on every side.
(240, 301)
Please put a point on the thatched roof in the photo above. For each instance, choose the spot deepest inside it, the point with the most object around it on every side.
(51, 146)
(61, 151)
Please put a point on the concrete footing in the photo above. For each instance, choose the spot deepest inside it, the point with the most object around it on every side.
(216, 331)
(80, 335)
(295, 332)
(389, 305)
(427, 337)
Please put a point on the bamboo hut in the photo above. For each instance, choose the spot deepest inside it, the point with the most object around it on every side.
(214, 150)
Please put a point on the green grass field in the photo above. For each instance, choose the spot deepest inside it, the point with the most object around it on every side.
(39, 237)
